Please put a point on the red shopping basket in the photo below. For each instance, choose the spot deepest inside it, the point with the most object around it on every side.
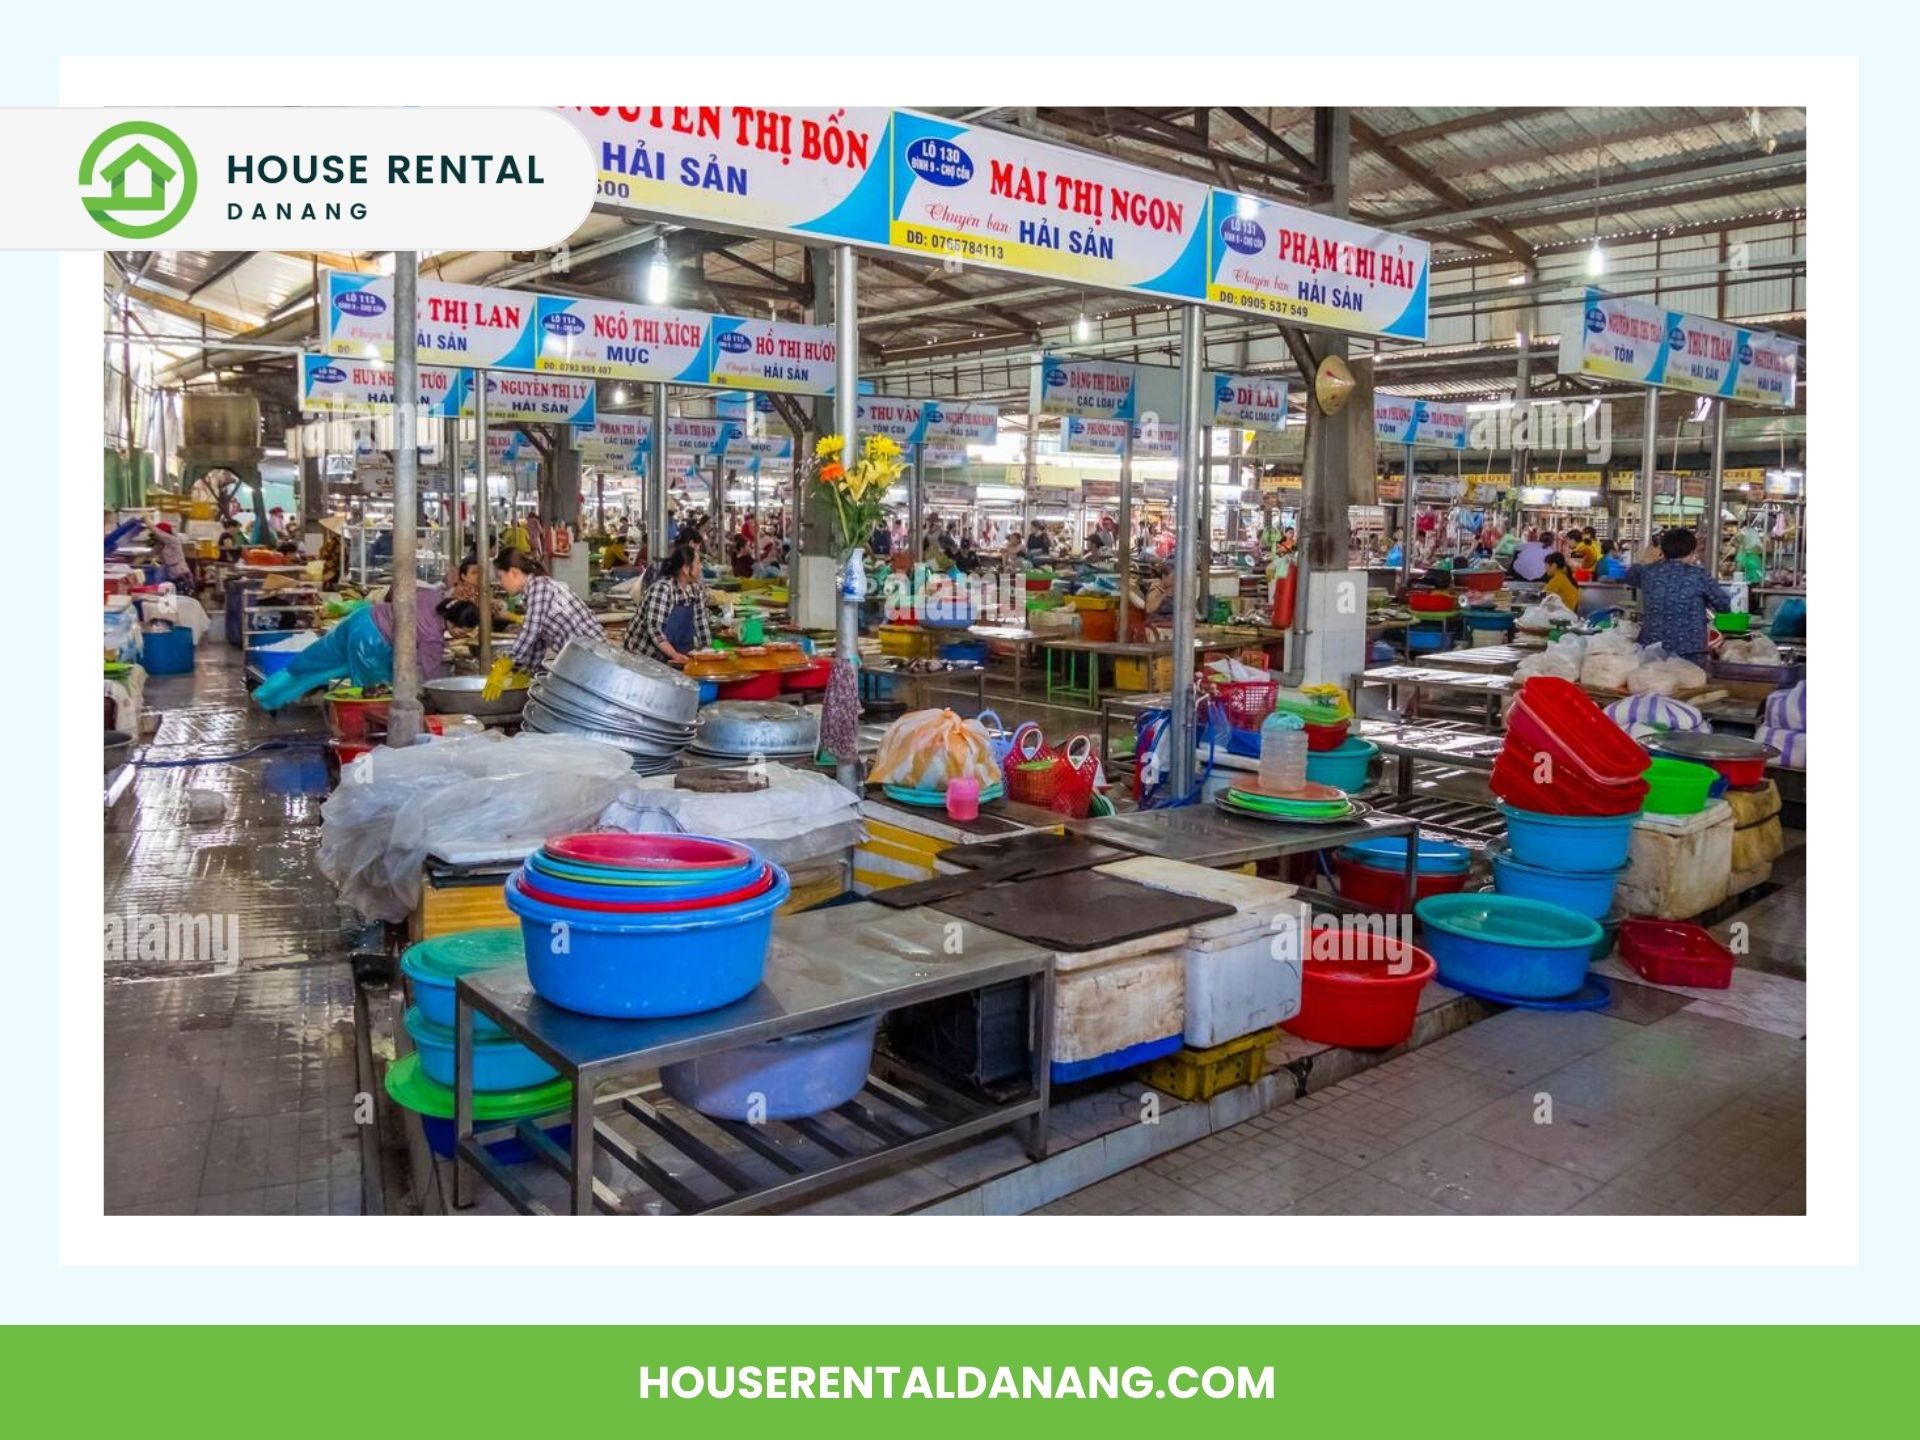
(1247, 702)
(1569, 792)
(1556, 716)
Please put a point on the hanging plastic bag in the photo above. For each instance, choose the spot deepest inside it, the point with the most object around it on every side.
(927, 748)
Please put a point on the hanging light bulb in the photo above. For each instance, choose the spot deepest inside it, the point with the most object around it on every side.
(659, 281)
(1596, 260)
(619, 394)
(1083, 328)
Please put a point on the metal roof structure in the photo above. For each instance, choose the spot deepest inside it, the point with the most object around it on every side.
(1699, 209)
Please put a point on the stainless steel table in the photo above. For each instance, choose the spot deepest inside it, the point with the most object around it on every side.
(1201, 835)
(1423, 679)
(823, 968)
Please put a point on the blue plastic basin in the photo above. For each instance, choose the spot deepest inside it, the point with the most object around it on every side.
(626, 966)
(1389, 852)
(568, 889)
(1501, 943)
(498, 1063)
(1589, 843)
(1345, 766)
(1585, 892)
(432, 966)
(782, 1079)
(511, 1150)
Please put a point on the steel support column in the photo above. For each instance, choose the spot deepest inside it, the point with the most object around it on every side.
(403, 716)
(1187, 527)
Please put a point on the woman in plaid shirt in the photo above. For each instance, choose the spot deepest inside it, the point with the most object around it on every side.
(673, 613)
(553, 615)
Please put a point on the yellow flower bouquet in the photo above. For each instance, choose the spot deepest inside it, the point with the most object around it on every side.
(858, 490)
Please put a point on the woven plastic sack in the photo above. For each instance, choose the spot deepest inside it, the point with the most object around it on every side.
(1787, 709)
(927, 748)
(1656, 714)
(1792, 745)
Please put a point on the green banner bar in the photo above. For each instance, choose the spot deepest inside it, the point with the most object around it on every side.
(1177, 1381)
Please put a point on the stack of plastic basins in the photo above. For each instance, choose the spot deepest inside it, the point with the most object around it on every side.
(647, 926)
(1574, 784)
(511, 1083)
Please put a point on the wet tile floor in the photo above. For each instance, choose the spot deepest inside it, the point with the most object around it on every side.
(230, 1072)
(1649, 1108)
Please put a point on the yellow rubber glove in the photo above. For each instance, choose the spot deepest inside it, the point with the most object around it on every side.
(497, 677)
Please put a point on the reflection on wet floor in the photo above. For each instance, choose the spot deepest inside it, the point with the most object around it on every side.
(230, 1072)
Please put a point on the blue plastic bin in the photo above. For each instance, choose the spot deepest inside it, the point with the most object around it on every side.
(1345, 766)
(629, 966)
(1503, 944)
(1585, 892)
(167, 652)
(1586, 843)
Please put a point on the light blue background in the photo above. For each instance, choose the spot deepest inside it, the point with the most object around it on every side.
(1882, 1288)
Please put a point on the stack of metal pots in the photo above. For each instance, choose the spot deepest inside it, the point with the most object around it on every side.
(596, 690)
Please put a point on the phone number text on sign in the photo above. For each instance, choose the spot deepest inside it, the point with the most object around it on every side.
(795, 170)
(610, 340)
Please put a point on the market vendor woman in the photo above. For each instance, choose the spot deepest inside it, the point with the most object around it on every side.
(553, 614)
(1676, 596)
(673, 614)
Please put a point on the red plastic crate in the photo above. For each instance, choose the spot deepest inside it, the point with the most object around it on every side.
(1674, 952)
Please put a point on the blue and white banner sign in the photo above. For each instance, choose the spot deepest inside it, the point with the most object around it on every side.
(1402, 420)
(1608, 338)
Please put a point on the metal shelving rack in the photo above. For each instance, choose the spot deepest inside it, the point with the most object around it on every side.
(823, 968)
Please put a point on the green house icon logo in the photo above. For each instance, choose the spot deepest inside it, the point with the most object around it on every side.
(147, 174)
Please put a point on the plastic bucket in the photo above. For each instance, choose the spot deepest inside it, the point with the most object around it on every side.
(783, 1079)
(167, 652)
(1506, 945)
(1381, 890)
(498, 1063)
(433, 966)
(1585, 892)
(1367, 998)
(1582, 843)
(1344, 768)
(409, 1086)
(1678, 787)
(625, 967)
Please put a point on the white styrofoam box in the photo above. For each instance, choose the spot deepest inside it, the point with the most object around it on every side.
(1242, 971)
(1679, 865)
(1255, 901)
(1101, 1009)
(1067, 961)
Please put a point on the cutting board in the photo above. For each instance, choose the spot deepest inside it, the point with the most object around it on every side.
(1046, 852)
(1081, 910)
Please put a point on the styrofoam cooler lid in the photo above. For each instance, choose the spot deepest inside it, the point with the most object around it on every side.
(1067, 961)
(1718, 812)
(1255, 901)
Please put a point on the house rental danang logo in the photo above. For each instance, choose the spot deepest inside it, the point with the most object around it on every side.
(138, 179)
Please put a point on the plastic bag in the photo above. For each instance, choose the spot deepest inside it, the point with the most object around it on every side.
(1315, 704)
(1614, 640)
(1565, 658)
(927, 748)
(1608, 669)
(1550, 611)
(1665, 676)
(483, 794)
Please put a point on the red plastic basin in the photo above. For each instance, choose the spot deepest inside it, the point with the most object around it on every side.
(1673, 952)
(764, 686)
(1571, 793)
(814, 677)
(619, 850)
(1367, 998)
(760, 884)
(1327, 737)
(1555, 715)
(1382, 890)
(1428, 602)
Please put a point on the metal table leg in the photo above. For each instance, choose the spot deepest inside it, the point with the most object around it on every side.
(1410, 877)
(1040, 1038)
(582, 1177)
(462, 1097)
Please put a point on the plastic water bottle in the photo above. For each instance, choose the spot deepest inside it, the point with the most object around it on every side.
(1283, 753)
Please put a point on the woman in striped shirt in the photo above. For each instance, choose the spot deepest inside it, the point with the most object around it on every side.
(553, 614)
